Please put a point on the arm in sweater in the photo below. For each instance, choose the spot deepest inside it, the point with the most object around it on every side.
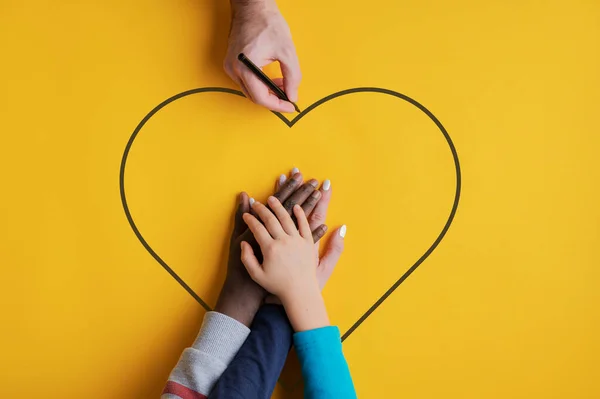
(255, 369)
(324, 368)
(203, 363)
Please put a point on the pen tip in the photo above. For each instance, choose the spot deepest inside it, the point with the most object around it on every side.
(296, 108)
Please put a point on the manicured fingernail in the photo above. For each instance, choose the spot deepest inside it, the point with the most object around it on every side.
(343, 231)
(327, 185)
(282, 179)
(252, 201)
(313, 183)
(295, 170)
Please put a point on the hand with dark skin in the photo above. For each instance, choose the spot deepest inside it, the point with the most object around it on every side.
(240, 296)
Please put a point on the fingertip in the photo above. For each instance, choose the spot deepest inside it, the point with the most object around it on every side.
(299, 212)
(282, 179)
(342, 231)
(287, 107)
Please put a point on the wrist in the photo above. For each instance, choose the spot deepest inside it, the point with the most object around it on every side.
(252, 5)
(306, 309)
(240, 301)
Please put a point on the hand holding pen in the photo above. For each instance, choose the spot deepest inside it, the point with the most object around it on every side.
(260, 32)
(273, 87)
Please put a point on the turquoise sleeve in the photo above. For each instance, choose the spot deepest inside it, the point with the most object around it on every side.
(324, 368)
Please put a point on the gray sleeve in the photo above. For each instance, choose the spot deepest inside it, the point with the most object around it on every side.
(201, 365)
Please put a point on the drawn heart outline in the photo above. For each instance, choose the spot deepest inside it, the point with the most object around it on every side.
(290, 124)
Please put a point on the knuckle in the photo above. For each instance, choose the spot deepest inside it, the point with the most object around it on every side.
(246, 258)
(269, 249)
(317, 217)
(289, 205)
(338, 246)
(309, 203)
(258, 100)
(290, 184)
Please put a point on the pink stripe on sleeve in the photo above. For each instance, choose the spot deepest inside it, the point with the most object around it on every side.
(182, 391)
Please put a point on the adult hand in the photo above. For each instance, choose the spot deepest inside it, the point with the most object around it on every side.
(316, 209)
(260, 32)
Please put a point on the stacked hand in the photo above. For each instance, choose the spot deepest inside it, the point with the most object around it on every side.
(240, 296)
(289, 266)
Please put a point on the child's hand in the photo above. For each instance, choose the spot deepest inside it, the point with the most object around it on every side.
(289, 263)
(288, 268)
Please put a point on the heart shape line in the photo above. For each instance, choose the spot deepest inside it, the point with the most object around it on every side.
(291, 123)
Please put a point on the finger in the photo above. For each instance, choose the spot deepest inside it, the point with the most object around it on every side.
(319, 232)
(228, 67)
(251, 262)
(290, 68)
(332, 254)
(269, 219)
(259, 231)
(251, 202)
(233, 75)
(279, 83)
(245, 90)
(262, 96)
(311, 202)
(238, 225)
(318, 215)
(300, 195)
(288, 187)
(303, 226)
(284, 218)
(280, 180)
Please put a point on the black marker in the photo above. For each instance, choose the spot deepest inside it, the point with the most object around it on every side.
(265, 79)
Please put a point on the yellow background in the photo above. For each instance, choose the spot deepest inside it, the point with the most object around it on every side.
(507, 306)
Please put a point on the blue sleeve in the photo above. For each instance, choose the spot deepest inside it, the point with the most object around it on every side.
(324, 368)
(253, 372)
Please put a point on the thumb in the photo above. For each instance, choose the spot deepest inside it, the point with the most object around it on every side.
(332, 254)
(251, 263)
(290, 68)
